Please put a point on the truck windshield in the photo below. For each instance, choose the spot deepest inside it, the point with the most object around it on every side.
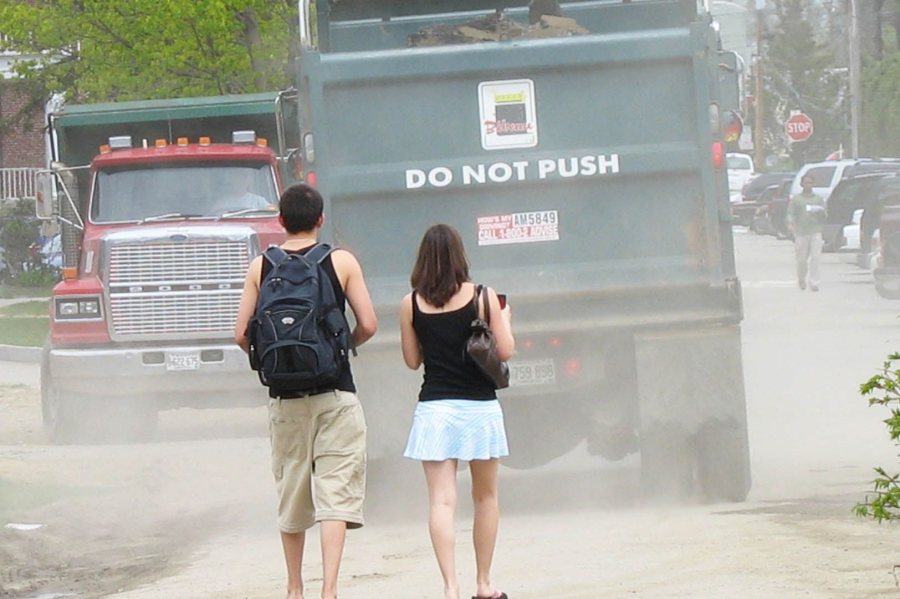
(138, 192)
(355, 9)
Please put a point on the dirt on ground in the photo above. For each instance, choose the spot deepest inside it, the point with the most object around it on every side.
(191, 516)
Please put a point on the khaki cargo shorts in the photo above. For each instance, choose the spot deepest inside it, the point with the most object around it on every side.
(318, 459)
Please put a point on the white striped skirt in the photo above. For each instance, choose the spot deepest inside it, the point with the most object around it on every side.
(462, 429)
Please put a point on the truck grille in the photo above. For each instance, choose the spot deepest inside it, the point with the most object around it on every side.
(178, 262)
(165, 289)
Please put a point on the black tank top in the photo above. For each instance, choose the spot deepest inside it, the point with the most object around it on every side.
(345, 381)
(449, 373)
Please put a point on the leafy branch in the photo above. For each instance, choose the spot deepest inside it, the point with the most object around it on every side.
(884, 389)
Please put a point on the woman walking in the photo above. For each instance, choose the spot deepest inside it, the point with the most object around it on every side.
(457, 416)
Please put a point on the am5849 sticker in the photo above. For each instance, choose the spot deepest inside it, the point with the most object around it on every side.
(518, 227)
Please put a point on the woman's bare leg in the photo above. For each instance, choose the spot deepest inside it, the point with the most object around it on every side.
(441, 480)
(487, 518)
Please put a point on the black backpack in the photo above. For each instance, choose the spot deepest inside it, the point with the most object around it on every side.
(299, 336)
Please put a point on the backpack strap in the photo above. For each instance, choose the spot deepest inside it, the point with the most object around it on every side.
(275, 255)
(319, 252)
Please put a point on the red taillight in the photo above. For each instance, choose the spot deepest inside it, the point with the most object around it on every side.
(528, 344)
(554, 342)
(572, 367)
(312, 179)
(718, 155)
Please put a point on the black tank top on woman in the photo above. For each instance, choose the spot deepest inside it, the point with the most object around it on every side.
(449, 373)
(345, 380)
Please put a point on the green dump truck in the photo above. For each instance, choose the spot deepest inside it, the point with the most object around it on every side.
(162, 204)
(580, 153)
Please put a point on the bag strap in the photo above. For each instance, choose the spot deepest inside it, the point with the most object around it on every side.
(481, 292)
(276, 255)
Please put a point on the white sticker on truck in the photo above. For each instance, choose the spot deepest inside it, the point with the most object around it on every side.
(508, 117)
(519, 227)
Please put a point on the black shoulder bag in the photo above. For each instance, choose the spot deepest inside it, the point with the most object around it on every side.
(482, 347)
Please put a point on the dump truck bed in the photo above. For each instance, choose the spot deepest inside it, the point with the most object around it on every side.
(600, 191)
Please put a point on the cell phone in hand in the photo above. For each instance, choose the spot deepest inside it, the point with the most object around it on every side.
(502, 298)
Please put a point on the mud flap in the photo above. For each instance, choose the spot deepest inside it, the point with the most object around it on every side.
(693, 416)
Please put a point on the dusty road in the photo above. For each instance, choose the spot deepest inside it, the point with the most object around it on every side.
(191, 516)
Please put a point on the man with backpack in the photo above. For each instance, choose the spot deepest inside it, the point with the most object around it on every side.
(291, 322)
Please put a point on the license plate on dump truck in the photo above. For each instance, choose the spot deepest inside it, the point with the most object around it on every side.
(532, 372)
(183, 361)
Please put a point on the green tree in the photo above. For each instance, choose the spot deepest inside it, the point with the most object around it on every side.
(100, 50)
(884, 390)
(800, 75)
(880, 122)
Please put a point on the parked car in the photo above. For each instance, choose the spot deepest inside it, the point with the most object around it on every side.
(740, 169)
(856, 192)
(887, 270)
(887, 246)
(850, 234)
(746, 211)
(760, 222)
(826, 175)
(776, 210)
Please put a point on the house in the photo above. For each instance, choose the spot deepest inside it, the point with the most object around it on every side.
(22, 140)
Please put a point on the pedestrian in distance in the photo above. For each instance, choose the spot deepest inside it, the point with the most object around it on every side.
(805, 218)
(318, 434)
(457, 416)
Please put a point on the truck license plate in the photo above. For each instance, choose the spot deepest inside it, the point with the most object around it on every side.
(532, 372)
(187, 361)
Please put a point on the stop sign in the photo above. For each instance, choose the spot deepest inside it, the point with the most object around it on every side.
(798, 127)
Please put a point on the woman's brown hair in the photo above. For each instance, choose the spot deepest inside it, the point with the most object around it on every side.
(441, 266)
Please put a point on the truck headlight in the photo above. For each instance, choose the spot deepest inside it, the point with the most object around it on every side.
(77, 308)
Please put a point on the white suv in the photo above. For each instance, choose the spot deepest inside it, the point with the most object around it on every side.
(826, 175)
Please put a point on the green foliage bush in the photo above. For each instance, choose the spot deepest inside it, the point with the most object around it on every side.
(884, 389)
(18, 230)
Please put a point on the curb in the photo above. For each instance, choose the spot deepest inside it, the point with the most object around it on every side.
(18, 353)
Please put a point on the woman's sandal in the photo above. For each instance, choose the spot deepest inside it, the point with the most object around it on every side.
(496, 595)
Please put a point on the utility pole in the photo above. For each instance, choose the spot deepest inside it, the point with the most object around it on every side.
(758, 149)
(855, 85)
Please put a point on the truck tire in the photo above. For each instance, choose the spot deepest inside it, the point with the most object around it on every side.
(723, 461)
(76, 419)
(693, 414)
(888, 291)
(667, 464)
(541, 429)
(60, 414)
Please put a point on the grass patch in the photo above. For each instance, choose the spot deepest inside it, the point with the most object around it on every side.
(13, 291)
(35, 308)
(27, 331)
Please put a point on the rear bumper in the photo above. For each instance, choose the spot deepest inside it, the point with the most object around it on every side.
(889, 273)
(211, 373)
(742, 213)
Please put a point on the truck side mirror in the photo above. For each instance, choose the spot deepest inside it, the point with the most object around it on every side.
(295, 164)
(45, 194)
(732, 125)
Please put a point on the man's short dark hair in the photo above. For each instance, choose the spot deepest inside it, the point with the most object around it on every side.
(300, 206)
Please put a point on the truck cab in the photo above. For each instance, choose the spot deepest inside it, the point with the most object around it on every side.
(158, 227)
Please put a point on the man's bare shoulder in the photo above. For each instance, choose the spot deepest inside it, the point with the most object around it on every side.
(342, 258)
